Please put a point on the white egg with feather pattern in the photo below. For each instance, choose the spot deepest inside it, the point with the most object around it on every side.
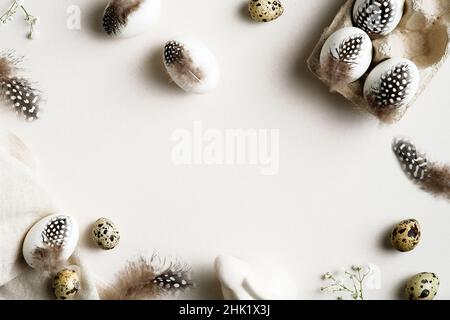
(391, 86)
(377, 17)
(128, 18)
(54, 231)
(191, 65)
(346, 55)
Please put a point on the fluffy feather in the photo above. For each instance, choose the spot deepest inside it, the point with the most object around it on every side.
(340, 63)
(117, 13)
(179, 59)
(48, 259)
(16, 91)
(149, 279)
(431, 177)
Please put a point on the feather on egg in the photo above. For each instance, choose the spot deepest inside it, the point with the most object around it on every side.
(191, 65)
(345, 56)
(128, 18)
(390, 87)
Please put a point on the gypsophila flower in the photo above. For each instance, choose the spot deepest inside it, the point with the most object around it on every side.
(18, 5)
(327, 276)
(354, 286)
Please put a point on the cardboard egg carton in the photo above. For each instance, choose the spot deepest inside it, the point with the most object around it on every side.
(422, 36)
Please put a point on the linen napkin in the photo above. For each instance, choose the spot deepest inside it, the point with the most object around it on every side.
(22, 203)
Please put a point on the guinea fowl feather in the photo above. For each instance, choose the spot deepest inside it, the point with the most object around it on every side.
(386, 99)
(430, 176)
(17, 91)
(117, 13)
(375, 16)
(179, 60)
(149, 279)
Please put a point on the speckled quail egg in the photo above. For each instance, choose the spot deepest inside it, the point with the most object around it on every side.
(391, 85)
(406, 235)
(105, 234)
(56, 230)
(128, 18)
(346, 55)
(66, 284)
(377, 17)
(423, 286)
(265, 10)
(191, 65)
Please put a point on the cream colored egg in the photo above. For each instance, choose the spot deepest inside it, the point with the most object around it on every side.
(265, 10)
(406, 235)
(66, 284)
(105, 234)
(422, 286)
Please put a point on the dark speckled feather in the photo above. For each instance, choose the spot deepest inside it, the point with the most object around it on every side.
(116, 14)
(431, 177)
(149, 279)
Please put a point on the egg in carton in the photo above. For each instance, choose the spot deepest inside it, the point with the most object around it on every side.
(419, 41)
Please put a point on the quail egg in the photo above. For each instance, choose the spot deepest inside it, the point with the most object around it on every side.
(406, 235)
(265, 10)
(423, 286)
(66, 284)
(105, 234)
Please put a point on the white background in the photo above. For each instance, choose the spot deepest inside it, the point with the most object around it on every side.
(104, 146)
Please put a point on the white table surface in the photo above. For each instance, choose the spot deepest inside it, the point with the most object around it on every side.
(104, 147)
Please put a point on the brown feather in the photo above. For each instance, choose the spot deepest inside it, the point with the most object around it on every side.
(437, 180)
(336, 72)
(8, 64)
(48, 259)
(186, 66)
(386, 113)
(139, 280)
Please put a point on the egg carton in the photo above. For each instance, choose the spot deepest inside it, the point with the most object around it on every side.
(422, 36)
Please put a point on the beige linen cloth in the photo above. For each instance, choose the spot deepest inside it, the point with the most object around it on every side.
(22, 203)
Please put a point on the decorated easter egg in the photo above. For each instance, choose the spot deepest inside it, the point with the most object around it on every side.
(391, 86)
(265, 10)
(377, 17)
(406, 235)
(128, 18)
(191, 65)
(346, 55)
(253, 279)
(422, 286)
(56, 230)
(105, 234)
(66, 284)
